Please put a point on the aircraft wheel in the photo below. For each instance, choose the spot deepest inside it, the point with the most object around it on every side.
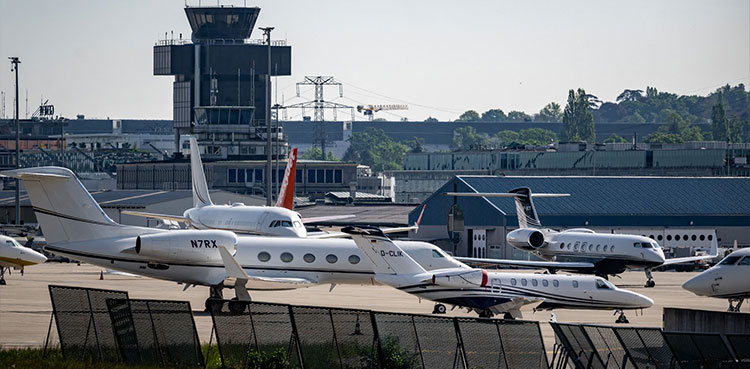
(214, 305)
(439, 309)
(650, 284)
(622, 319)
(237, 307)
(2, 282)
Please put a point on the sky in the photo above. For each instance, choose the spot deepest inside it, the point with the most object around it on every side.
(439, 57)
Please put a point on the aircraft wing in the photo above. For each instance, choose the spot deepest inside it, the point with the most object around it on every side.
(513, 307)
(687, 259)
(528, 263)
(245, 281)
(143, 214)
(326, 219)
(346, 235)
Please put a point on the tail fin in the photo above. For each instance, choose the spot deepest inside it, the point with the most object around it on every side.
(386, 257)
(64, 209)
(200, 187)
(525, 210)
(286, 192)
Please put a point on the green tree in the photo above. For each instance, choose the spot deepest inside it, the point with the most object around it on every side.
(467, 138)
(494, 115)
(630, 95)
(430, 119)
(634, 118)
(578, 121)
(537, 136)
(468, 116)
(736, 128)
(719, 123)
(615, 138)
(550, 113)
(374, 148)
(314, 153)
(671, 122)
(505, 137)
(416, 145)
(518, 116)
(692, 133)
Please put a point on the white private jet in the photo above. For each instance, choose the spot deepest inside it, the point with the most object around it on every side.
(75, 226)
(279, 220)
(578, 250)
(489, 293)
(13, 255)
(726, 280)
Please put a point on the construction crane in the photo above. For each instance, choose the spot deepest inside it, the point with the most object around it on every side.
(370, 110)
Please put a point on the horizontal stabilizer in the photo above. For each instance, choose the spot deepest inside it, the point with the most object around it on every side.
(347, 235)
(528, 263)
(143, 214)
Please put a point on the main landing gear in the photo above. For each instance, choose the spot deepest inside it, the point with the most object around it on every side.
(733, 307)
(439, 309)
(2, 276)
(622, 319)
(649, 279)
(215, 300)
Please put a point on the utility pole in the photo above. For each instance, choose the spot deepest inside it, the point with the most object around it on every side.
(269, 164)
(14, 68)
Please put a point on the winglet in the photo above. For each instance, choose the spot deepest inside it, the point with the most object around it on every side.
(286, 192)
(234, 269)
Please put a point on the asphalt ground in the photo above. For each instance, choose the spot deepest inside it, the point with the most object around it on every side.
(25, 307)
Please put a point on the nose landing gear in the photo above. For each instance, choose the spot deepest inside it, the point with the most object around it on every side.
(622, 319)
(733, 307)
(439, 309)
(649, 279)
(2, 276)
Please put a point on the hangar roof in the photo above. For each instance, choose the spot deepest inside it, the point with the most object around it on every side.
(600, 201)
(624, 195)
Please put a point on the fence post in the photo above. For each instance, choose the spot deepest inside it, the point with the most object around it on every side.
(376, 338)
(295, 337)
(460, 344)
(335, 339)
(93, 322)
(153, 331)
(49, 331)
(416, 338)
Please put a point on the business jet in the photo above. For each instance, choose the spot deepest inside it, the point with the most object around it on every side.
(725, 280)
(279, 220)
(489, 293)
(75, 226)
(13, 255)
(578, 250)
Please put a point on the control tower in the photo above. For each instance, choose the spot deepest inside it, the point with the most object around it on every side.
(219, 88)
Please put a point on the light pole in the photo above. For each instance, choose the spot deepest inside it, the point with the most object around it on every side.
(14, 68)
(269, 164)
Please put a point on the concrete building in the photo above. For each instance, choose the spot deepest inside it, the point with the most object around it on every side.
(220, 86)
(675, 211)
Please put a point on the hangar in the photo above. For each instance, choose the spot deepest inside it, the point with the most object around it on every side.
(681, 213)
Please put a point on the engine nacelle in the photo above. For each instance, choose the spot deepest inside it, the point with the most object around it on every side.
(461, 278)
(186, 245)
(526, 239)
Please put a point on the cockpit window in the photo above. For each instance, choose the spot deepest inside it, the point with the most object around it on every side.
(280, 223)
(10, 243)
(730, 260)
(286, 223)
(297, 224)
(645, 245)
(604, 284)
(436, 254)
(745, 261)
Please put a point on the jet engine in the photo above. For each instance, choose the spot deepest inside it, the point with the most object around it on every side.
(528, 239)
(192, 246)
(460, 278)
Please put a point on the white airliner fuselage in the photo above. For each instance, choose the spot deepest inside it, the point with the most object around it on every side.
(729, 279)
(259, 220)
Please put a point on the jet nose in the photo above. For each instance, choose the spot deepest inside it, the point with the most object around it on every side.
(656, 256)
(699, 285)
(37, 257)
(641, 301)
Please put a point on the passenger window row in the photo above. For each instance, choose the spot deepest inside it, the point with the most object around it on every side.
(684, 237)
(585, 246)
(287, 257)
(535, 282)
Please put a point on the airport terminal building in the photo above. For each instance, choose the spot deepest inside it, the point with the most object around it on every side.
(679, 212)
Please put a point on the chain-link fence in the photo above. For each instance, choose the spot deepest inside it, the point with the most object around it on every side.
(593, 346)
(156, 332)
(83, 322)
(318, 337)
